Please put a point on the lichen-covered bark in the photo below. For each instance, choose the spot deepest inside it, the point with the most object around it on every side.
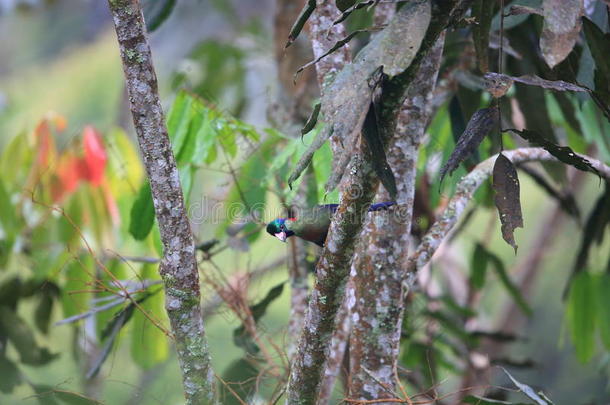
(463, 193)
(338, 345)
(331, 276)
(377, 315)
(178, 267)
(323, 36)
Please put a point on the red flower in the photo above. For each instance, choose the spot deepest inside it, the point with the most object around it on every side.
(95, 156)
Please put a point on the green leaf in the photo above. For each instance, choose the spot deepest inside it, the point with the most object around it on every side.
(241, 375)
(594, 229)
(17, 154)
(48, 292)
(248, 194)
(149, 345)
(48, 395)
(581, 314)
(9, 227)
(10, 292)
(603, 308)
(156, 12)
(205, 138)
(500, 270)
(479, 266)
(10, 375)
(599, 44)
(110, 333)
(179, 120)
(78, 276)
(240, 336)
(187, 174)
(142, 214)
(21, 337)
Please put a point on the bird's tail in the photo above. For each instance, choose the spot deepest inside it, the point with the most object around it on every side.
(381, 206)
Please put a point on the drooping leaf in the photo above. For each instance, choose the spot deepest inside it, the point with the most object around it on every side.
(371, 133)
(603, 307)
(10, 375)
(479, 266)
(22, 338)
(527, 390)
(599, 44)
(507, 198)
(305, 159)
(156, 12)
(563, 153)
(240, 336)
(483, 11)
(487, 257)
(48, 292)
(312, 120)
(480, 124)
(241, 375)
(458, 122)
(580, 315)
(308, 8)
(560, 29)
(594, 229)
(111, 332)
(511, 288)
(142, 215)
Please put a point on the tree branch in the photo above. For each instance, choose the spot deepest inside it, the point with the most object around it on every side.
(360, 183)
(463, 193)
(379, 267)
(178, 267)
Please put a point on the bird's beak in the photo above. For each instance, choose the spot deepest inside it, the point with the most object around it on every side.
(281, 236)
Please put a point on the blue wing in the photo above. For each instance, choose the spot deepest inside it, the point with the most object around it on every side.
(374, 207)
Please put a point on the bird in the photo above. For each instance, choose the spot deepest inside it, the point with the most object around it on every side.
(312, 224)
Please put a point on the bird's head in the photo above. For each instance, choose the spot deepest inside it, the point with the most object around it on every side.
(279, 229)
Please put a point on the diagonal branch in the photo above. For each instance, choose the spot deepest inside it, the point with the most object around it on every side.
(178, 266)
(464, 191)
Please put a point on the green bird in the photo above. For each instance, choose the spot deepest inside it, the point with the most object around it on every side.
(312, 224)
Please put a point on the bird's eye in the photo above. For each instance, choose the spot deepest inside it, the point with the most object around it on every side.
(282, 227)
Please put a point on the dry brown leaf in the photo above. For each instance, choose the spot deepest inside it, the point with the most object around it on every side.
(507, 199)
(560, 29)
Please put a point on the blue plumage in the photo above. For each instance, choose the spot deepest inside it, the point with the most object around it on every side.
(312, 224)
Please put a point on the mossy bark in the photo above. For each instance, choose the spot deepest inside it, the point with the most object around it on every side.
(178, 266)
